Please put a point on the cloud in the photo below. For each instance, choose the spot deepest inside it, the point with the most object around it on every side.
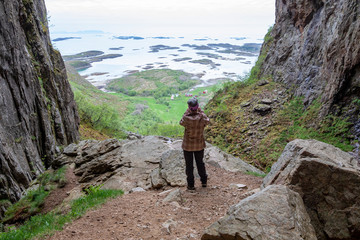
(160, 13)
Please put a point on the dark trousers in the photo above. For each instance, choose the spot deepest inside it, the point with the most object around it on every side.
(189, 169)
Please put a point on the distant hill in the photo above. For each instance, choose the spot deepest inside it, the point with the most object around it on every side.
(153, 83)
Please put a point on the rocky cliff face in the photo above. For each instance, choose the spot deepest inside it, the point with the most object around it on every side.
(37, 108)
(315, 49)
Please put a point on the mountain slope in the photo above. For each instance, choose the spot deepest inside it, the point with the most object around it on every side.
(316, 52)
(311, 58)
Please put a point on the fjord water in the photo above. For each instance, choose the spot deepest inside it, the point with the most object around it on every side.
(137, 55)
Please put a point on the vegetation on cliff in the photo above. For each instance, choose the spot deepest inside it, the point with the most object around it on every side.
(255, 118)
(97, 110)
(259, 138)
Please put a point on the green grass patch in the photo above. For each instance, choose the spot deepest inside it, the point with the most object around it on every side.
(57, 176)
(43, 225)
(256, 174)
(33, 201)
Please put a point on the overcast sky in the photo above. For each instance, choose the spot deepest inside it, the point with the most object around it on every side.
(154, 17)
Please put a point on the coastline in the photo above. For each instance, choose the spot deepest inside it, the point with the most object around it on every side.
(207, 58)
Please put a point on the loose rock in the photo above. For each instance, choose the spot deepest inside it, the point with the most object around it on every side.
(262, 109)
(174, 196)
(266, 101)
(262, 82)
(245, 104)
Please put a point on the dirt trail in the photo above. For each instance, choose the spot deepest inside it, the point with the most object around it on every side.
(144, 215)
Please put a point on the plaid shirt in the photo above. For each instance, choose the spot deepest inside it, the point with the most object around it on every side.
(194, 123)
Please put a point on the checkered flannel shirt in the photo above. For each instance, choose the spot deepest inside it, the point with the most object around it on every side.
(194, 123)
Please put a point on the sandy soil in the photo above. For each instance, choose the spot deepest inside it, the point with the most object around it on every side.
(144, 215)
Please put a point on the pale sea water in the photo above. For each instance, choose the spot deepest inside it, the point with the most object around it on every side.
(137, 55)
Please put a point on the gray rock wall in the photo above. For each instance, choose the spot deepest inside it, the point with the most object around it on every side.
(315, 49)
(37, 108)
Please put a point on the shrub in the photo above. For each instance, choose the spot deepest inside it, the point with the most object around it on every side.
(101, 117)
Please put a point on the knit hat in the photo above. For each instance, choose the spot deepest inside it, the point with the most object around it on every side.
(193, 104)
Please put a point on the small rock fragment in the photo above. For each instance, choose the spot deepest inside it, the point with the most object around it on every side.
(262, 109)
(262, 82)
(245, 104)
(237, 186)
(266, 101)
(137, 189)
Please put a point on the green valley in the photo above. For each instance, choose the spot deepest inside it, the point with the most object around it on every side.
(147, 103)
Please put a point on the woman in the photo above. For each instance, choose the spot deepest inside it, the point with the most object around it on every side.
(194, 120)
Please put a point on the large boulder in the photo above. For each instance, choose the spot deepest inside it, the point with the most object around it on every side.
(328, 180)
(149, 162)
(274, 213)
(142, 157)
(122, 164)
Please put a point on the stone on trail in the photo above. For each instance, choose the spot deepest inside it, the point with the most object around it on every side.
(174, 196)
(328, 180)
(274, 213)
(169, 226)
(262, 82)
(238, 186)
(137, 189)
(245, 104)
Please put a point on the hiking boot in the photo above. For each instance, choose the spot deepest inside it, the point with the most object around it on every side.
(190, 188)
(204, 185)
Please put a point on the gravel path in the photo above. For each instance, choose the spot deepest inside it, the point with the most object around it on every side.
(144, 215)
